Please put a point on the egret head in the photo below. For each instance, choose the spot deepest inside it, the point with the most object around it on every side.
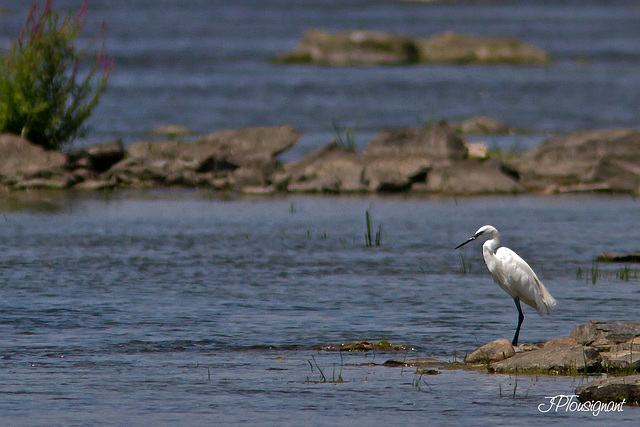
(486, 231)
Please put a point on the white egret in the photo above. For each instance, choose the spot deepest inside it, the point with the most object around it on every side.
(513, 275)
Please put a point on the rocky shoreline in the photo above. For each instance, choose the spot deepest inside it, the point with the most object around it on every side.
(433, 160)
(608, 350)
(611, 348)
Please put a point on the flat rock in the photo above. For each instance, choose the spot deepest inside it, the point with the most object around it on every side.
(495, 350)
(352, 48)
(439, 143)
(464, 49)
(604, 335)
(97, 184)
(258, 190)
(377, 48)
(249, 144)
(96, 158)
(333, 169)
(393, 161)
(624, 356)
(153, 151)
(22, 159)
(478, 150)
(482, 125)
(170, 130)
(240, 146)
(242, 157)
(396, 173)
(619, 175)
(612, 389)
(146, 171)
(430, 160)
(528, 347)
(468, 177)
(606, 159)
(56, 181)
(566, 340)
(555, 358)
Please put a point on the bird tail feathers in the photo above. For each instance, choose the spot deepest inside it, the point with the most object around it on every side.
(545, 301)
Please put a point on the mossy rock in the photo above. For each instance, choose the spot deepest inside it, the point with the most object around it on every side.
(382, 345)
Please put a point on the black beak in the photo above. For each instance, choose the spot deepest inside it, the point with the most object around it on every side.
(470, 239)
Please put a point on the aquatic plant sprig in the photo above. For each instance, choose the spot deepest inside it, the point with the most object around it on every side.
(346, 135)
(323, 378)
(368, 236)
(464, 267)
(595, 273)
(418, 380)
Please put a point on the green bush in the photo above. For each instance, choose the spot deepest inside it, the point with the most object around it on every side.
(48, 84)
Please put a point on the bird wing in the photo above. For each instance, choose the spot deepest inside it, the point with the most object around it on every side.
(518, 279)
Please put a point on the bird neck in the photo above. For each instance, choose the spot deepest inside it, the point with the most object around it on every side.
(489, 254)
(491, 245)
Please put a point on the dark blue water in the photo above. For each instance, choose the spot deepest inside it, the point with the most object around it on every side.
(169, 308)
(181, 307)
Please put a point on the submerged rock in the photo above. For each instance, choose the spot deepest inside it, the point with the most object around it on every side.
(626, 258)
(382, 345)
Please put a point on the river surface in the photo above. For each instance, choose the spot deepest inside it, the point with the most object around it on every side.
(168, 307)
(164, 308)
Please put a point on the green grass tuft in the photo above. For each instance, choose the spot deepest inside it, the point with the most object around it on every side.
(369, 241)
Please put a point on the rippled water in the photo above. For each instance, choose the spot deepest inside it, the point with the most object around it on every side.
(185, 307)
(207, 65)
(179, 306)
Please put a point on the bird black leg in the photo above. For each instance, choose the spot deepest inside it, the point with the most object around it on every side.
(520, 320)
